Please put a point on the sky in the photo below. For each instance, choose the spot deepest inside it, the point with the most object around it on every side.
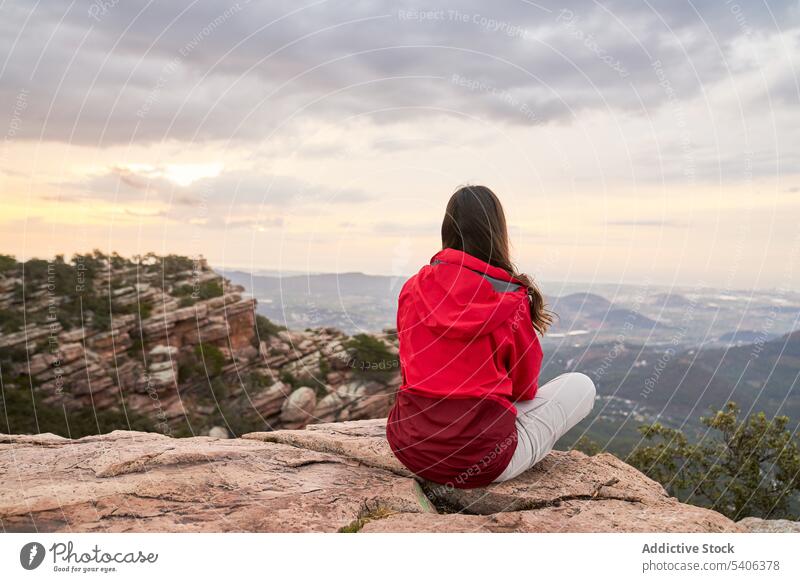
(629, 142)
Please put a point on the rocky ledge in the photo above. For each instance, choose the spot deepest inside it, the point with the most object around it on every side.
(168, 344)
(329, 477)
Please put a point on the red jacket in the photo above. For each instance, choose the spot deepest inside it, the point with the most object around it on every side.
(468, 351)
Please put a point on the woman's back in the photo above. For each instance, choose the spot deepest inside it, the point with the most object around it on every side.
(470, 411)
(467, 351)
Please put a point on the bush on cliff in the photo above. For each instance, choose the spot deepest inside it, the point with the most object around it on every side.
(11, 320)
(266, 328)
(188, 294)
(212, 360)
(7, 263)
(172, 265)
(370, 358)
(749, 467)
(21, 414)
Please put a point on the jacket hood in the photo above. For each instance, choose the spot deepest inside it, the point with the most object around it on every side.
(456, 297)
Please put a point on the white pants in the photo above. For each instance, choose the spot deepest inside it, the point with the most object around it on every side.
(558, 406)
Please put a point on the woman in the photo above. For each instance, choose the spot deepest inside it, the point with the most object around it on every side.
(470, 411)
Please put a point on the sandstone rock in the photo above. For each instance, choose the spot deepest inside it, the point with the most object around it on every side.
(123, 291)
(101, 366)
(328, 408)
(165, 305)
(334, 378)
(129, 481)
(30, 334)
(218, 432)
(758, 525)
(363, 441)
(155, 327)
(276, 361)
(38, 363)
(160, 378)
(76, 335)
(306, 367)
(128, 372)
(235, 304)
(269, 401)
(122, 321)
(198, 311)
(568, 516)
(568, 491)
(210, 333)
(160, 366)
(43, 439)
(247, 354)
(69, 352)
(351, 391)
(601, 476)
(298, 409)
(332, 477)
(377, 405)
(163, 352)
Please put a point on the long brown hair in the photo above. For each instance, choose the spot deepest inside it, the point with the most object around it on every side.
(476, 224)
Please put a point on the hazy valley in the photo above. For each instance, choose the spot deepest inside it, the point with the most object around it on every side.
(655, 353)
(170, 344)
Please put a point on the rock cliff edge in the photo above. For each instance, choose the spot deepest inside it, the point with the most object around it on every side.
(328, 477)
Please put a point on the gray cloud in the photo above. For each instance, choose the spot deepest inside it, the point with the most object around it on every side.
(206, 70)
(230, 200)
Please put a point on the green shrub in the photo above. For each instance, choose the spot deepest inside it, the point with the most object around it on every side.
(587, 446)
(11, 320)
(218, 390)
(81, 299)
(22, 414)
(205, 290)
(371, 358)
(7, 263)
(184, 290)
(319, 382)
(186, 370)
(239, 417)
(143, 309)
(254, 382)
(211, 357)
(186, 301)
(171, 265)
(288, 378)
(265, 328)
(136, 351)
(210, 289)
(749, 468)
(324, 367)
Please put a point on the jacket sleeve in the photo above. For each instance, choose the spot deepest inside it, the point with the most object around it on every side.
(524, 360)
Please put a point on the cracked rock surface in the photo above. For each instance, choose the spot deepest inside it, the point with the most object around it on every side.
(328, 477)
(758, 525)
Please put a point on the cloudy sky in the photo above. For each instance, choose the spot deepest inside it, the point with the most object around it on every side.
(630, 142)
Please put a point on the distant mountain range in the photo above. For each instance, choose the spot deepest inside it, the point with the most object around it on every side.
(591, 312)
(587, 313)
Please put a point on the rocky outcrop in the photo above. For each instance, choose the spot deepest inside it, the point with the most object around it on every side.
(179, 348)
(758, 525)
(328, 477)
